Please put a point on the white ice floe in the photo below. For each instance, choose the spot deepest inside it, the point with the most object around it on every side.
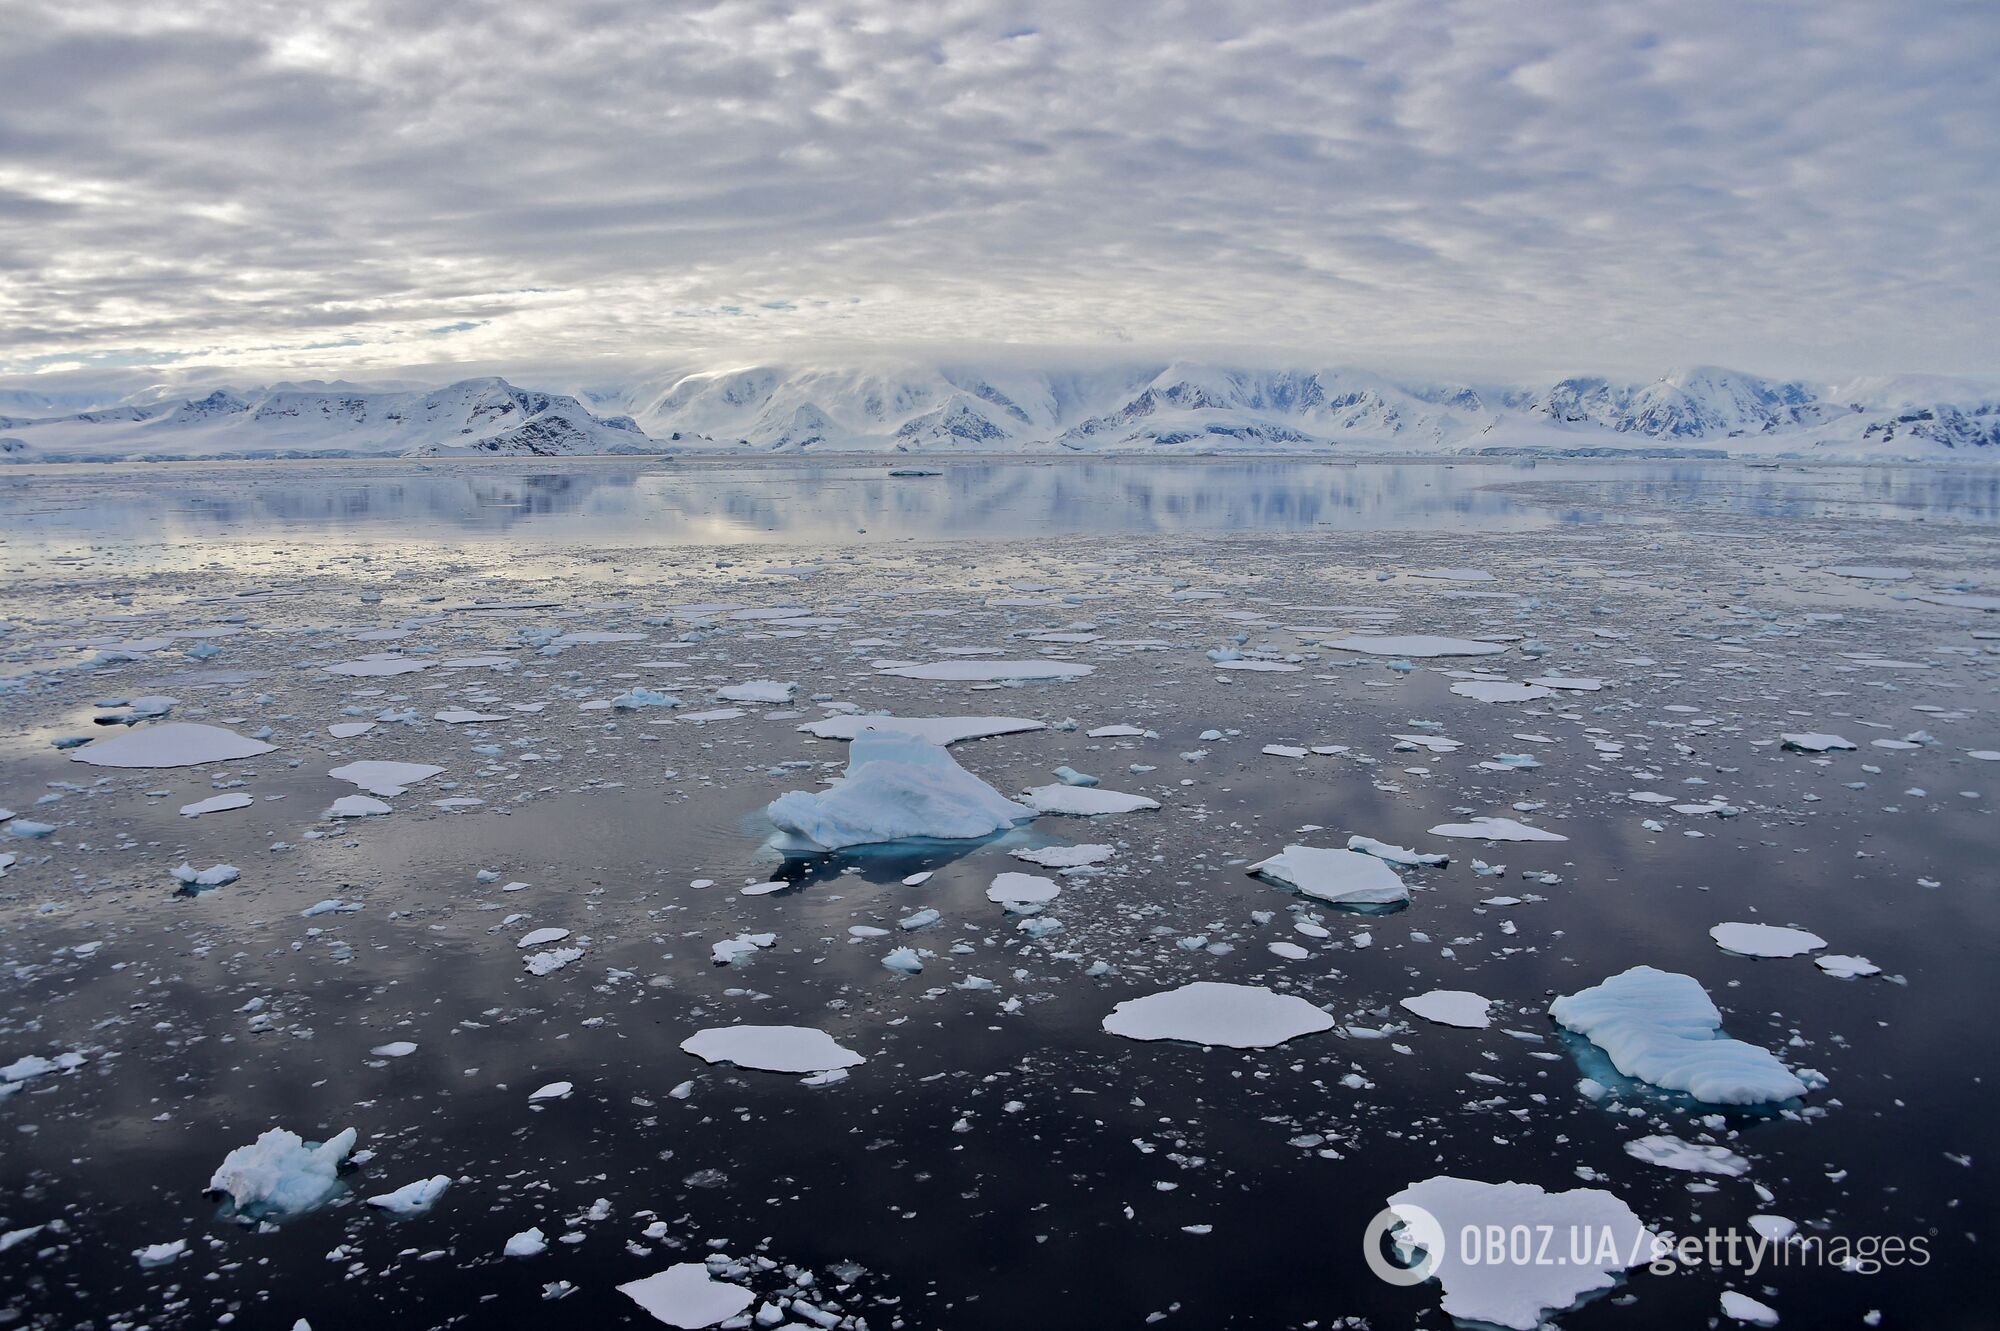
(686, 1296)
(395, 1049)
(1573, 684)
(1842, 967)
(1235, 1016)
(541, 938)
(215, 875)
(1415, 644)
(1660, 1027)
(412, 1198)
(1409, 859)
(369, 667)
(731, 950)
(1065, 857)
(1764, 940)
(1344, 877)
(1115, 732)
(356, 806)
(1023, 889)
(460, 716)
(279, 1174)
(35, 1065)
(972, 671)
(1742, 1308)
(529, 1242)
(936, 729)
(216, 804)
(349, 729)
(1815, 742)
(1500, 690)
(1084, 801)
(555, 1090)
(1452, 1007)
(1453, 574)
(1871, 572)
(1495, 829)
(758, 690)
(551, 961)
(1689, 1157)
(771, 1048)
(175, 744)
(384, 778)
(161, 1254)
(1585, 1239)
(896, 786)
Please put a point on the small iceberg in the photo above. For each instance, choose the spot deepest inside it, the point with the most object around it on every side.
(897, 786)
(1343, 877)
(280, 1174)
(1660, 1027)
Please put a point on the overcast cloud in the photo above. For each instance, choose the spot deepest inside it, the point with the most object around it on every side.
(352, 186)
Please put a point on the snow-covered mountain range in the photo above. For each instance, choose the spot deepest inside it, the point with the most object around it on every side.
(1136, 407)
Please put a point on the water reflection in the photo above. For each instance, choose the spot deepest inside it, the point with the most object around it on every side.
(620, 504)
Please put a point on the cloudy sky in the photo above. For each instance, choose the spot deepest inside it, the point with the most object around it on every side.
(351, 186)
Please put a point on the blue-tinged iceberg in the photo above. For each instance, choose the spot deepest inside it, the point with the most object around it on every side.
(897, 787)
(1661, 1028)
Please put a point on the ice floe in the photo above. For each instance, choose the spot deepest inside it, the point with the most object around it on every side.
(280, 1174)
(1207, 1012)
(1452, 1007)
(174, 744)
(1343, 877)
(412, 1198)
(384, 778)
(972, 671)
(1670, 1152)
(897, 786)
(1660, 1027)
(1084, 801)
(1023, 889)
(1764, 940)
(216, 804)
(686, 1296)
(936, 729)
(1495, 829)
(1418, 644)
(771, 1048)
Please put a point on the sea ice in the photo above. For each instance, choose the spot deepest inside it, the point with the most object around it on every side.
(175, 744)
(686, 1296)
(1084, 801)
(1344, 877)
(1689, 1157)
(1023, 889)
(1495, 829)
(771, 1048)
(279, 1174)
(1452, 1007)
(1235, 1016)
(1500, 690)
(412, 1198)
(1845, 967)
(936, 729)
(356, 806)
(1764, 940)
(1814, 742)
(216, 804)
(1409, 859)
(896, 786)
(1660, 1027)
(976, 670)
(1065, 857)
(758, 690)
(1585, 1238)
(1420, 644)
(384, 778)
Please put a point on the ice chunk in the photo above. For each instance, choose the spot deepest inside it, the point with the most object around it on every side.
(771, 1048)
(896, 786)
(412, 1198)
(1344, 877)
(216, 804)
(395, 1049)
(551, 961)
(215, 875)
(374, 666)
(528, 1243)
(635, 698)
(904, 961)
(936, 729)
(1871, 572)
(1764, 940)
(1815, 742)
(175, 744)
(1452, 1007)
(1065, 857)
(1382, 850)
(1495, 829)
(1585, 1238)
(1660, 1027)
(1419, 644)
(686, 1296)
(555, 1090)
(1690, 1157)
(356, 806)
(1235, 1016)
(160, 1254)
(1085, 801)
(758, 690)
(541, 938)
(1500, 690)
(1845, 967)
(1743, 1308)
(384, 778)
(1023, 889)
(280, 1174)
(972, 670)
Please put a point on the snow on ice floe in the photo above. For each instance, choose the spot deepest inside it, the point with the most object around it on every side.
(1764, 940)
(686, 1296)
(1065, 857)
(1814, 742)
(758, 690)
(412, 1198)
(936, 729)
(1023, 889)
(1660, 1027)
(1343, 877)
(1084, 801)
(1495, 829)
(1592, 1238)
(771, 1048)
(384, 778)
(216, 804)
(175, 744)
(973, 671)
(1689, 1157)
(1234, 1016)
(1418, 644)
(280, 1174)
(897, 786)
(1452, 1007)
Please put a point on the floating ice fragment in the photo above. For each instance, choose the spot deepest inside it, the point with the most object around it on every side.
(771, 1048)
(1065, 857)
(904, 961)
(936, 729)
(1235, 1016)
(555, 1090)
(412, 1198)
(686, 1296)
(1495, 829)
(977, 670)
(1452, 1007)
(896, 786)
(1845, 967)
(1499, 690)
(388, 779)
(1690, 1157)
(1023, 889)
(280, 1174)
(1344, 877)
(175, 744)
(160, 1254)
(635, 698)
(215, 875)
(1743, 1308)
(1084, 801)
(548, 963)
(1764, 940)
(395, 1049)
(758, 690)
(1814, 742)
(1409, 859)
(528, 1243)
(216, 804)
(356, 806)
(1422, 644)
(541, 937)
(1660, 1027)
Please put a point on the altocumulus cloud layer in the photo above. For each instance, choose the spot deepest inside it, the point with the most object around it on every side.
(1791, 186)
